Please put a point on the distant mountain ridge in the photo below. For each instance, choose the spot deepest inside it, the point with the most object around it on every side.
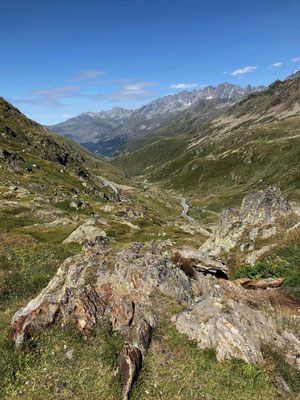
(103, 132)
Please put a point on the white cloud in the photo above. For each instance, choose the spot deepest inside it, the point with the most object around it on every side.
(296, 59)
(278, 64)
(184, 86)
(133, 87)
(243, 70)
(68, 116)
(86, 74)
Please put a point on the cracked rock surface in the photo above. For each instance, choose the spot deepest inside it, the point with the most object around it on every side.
(129, 289)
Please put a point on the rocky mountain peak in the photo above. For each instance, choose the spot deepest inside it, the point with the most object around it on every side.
(295, 75)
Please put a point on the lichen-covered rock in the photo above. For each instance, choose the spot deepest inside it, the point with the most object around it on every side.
(86, 231)
(253, 257)
(258, 209)
(131, 289)
(264, 206)
(203, 262)
(86, 291)
(228, 319)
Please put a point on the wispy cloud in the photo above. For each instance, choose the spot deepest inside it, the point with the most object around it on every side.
(275, 65)
(57, 92)
(243, 70)
(183, 86)
(50, 97)
(40, 101)
(296, 59)
(86, 75)
(130, 90)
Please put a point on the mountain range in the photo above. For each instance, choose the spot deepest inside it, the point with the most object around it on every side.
(106, 131)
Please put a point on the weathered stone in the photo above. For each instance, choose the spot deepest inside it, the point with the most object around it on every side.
(135, 293)
(264, 206)
(225, 321)
(130, 363)
(258, 209)
(204, 262)
(76, 204)
(85, 232)
(254, 256)
(267, 233)
(263, 283)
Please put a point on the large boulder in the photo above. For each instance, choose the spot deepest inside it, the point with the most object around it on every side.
(85, 232)
(86, 291)
(258, 209)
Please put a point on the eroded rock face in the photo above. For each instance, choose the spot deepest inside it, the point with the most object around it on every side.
(87, 291)
(131, 288)
(230, 319)
(86, 231)
(258, 209)
(205, 263)
(263, 283)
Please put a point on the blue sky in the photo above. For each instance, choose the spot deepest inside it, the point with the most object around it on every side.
(61, 58)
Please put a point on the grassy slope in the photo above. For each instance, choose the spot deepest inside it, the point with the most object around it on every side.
(58, 161)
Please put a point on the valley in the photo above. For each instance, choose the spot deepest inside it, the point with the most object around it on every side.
(168, 271)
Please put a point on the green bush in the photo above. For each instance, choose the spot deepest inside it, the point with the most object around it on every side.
(260, 270)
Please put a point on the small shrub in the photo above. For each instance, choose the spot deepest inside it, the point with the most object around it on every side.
(260, 270)
(185, 264)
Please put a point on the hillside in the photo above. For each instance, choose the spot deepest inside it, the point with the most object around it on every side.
(33, 154)
(244, 148)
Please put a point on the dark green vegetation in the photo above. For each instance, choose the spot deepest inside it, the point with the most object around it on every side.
(260, 270)
(288, 256)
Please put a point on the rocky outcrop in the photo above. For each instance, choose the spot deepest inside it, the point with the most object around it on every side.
(254, 255)
(263, 283)
(203, 262)
(258, 209)
(231, 320)
(86, 291)
(13, 161)
(130, 290)
(85, 232)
